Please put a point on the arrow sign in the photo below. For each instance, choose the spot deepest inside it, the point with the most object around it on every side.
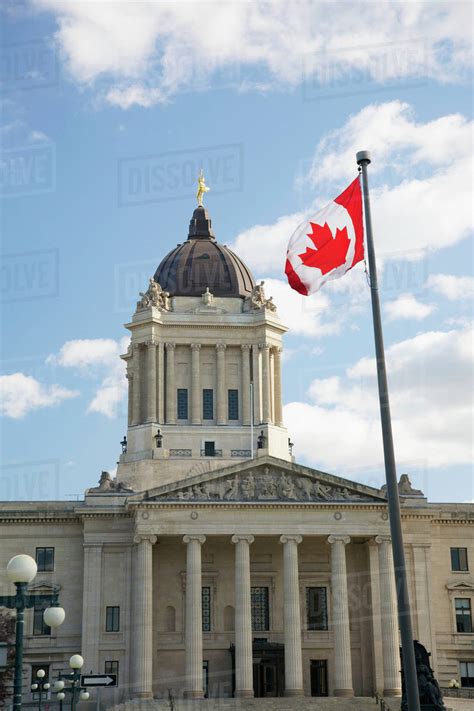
(99, 680)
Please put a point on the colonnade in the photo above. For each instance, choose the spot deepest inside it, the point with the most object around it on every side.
(292, 620)
(146, 368)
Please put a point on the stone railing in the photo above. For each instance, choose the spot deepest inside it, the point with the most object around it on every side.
(217, 453)
(240, 452)
(459, 693)
(181, 452)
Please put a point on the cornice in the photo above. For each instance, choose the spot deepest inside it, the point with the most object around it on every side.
(188, 505)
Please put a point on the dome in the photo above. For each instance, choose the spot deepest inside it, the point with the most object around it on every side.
(201, 262)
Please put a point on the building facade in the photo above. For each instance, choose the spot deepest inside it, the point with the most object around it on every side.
(214, 564)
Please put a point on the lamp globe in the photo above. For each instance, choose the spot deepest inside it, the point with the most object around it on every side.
(46, 686)
(61, 696)
(54, 616)
(21, 569)
(76, 661)
(41, 673)
(84, 695)
(34, 687)
(58, 685)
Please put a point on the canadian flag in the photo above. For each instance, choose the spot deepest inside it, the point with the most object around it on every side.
(327, 245)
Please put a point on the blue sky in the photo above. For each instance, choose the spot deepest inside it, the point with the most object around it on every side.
(106, 110)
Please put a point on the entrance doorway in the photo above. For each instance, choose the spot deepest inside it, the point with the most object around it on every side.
(268, 668)
(319, 677)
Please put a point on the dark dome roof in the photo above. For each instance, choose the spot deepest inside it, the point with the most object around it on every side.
(201, 262)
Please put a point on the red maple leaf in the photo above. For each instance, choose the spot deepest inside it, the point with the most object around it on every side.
(331, 251)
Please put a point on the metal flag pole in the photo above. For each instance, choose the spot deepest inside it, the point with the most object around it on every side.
(404, 615)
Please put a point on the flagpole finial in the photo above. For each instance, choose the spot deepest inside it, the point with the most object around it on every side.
(363, 157)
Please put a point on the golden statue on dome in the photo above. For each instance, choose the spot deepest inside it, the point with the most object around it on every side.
(202, 188)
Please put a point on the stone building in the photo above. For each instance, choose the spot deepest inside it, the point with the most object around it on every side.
(214, 563)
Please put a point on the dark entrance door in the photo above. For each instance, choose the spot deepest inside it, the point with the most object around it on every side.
(319, 677)
(268, 668)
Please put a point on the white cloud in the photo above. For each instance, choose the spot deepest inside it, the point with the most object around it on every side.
(143, 53)
(431, 407)
(406, 306)
(100, 359)
(422, 197)
(20, 394)
(451, 286)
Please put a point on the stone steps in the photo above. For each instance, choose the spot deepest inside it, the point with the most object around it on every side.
(271, 704)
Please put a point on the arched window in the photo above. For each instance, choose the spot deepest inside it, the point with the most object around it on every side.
(170, 619)
(229, 619)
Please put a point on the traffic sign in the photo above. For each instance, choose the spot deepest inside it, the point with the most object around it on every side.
(99, 680)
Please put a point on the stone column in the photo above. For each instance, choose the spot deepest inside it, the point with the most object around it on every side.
(142, 625)
(170, 385)
(161, 383)
(221, 385)
(136, 405)
(151, 384)
(91, 602)
(243, 617)
(277, 394)
(292, 617)
(130, 391)
(195, 384)
(389, 619)
(193, 633)
(256, 384)
(340, 617)
(245, 415)
(265, 348)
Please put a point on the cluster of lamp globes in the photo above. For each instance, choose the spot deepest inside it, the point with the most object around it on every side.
(23, 569)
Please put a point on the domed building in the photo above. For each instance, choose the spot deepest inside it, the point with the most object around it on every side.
(213, 564)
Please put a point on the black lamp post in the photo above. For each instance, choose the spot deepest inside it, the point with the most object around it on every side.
(21, 570)
(41, 685)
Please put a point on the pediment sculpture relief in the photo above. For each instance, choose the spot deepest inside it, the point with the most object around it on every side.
(266, 485)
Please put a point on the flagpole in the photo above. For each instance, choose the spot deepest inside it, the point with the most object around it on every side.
(404, 614)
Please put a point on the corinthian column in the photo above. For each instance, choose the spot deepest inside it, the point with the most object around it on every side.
(221, 385)
(151, 377)
(195, 384)
(389, 619)
(277, 380)
(256, 384)
(170, 386)
(340, 617)
(142, 627)
(136, 405)
(161, 383)
(291, 617)
(130, 391)
(246, 384)
(243, 617)
(265, 348)
(193, 633)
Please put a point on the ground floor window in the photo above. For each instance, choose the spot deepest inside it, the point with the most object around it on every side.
(205, 678)
(466, 672)
(316, 609)
(112, 667)
(319, 677)
(260, 609)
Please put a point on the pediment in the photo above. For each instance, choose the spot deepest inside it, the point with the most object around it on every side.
(461, 586)
(266, 480)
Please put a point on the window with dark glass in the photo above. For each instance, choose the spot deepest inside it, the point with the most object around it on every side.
(205, 677)
(459, 559)
(463, 614)
(207, 404)
(206, 608)
(233, 404)
(316, 609)
(209, 449)
(112, 667)
(182, 404)
(466, 672)
(39, 625)
(112, 619)
(45, 559)
(260, 609)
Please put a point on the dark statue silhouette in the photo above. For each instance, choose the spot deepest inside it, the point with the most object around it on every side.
(430, 694)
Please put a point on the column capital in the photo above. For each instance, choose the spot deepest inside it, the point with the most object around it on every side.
(151, 342)
(294, 538)
(277, 350)
(194, 537)
(383, 539)
(339, 538)
(246, 347)
(221, 346)
(195, 346)
(170, 346)
(264, 346)
(144, 537)
(237, 537)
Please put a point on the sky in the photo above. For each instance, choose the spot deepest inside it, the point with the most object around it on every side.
(109, 109)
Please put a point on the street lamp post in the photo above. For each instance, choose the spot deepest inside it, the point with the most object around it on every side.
(21, 570)
(40, 685)
(60, 695)
(75, 663)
